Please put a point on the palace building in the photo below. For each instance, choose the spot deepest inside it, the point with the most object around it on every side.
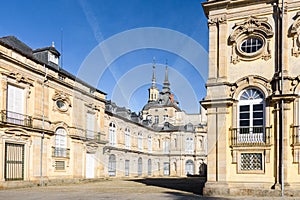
(253, 97)
(55, 127)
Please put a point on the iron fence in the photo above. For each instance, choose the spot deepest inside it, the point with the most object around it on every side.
(250, 136)
(16, 118)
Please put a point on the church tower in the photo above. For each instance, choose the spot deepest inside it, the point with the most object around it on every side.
(153, 90)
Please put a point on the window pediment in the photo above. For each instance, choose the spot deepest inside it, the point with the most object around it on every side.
(250, 40)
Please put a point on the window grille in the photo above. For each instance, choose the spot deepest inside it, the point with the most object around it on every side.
(251, 161)
(59, 165)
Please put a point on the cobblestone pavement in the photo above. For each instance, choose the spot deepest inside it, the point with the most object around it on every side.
(137, 189)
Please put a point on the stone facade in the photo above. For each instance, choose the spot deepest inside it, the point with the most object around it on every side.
(252, 97)
(57, 128)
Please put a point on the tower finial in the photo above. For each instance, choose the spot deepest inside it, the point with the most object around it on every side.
(166, 74)
(166, 84)
(153, 73)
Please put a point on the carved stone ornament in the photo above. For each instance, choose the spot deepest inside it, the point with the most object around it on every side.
(20, 78)
(253, 28)
(254, 81)
(62, 100)
(294, 34)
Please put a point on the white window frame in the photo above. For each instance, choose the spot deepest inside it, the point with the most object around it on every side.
(112, 134)
(251, 137)
(140, 141)
(60, 142)
(90, 125)
(149, 144)
(127, 138)
(189, 145)
(166, 145)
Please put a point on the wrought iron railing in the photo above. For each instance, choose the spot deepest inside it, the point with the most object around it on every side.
(16, 118)
(296, 135)
(250, 136)
(93, 135)
(60, 152)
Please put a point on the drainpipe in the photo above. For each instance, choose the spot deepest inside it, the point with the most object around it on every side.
(282, 101)
(43, 127)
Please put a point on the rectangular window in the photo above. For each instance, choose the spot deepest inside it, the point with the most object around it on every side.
(90, 126)
(127, 140)
(251, 161)
(59, 165)
(126, 167)
(140, 141)
(149, 144)
(166, 169)
(15, 105)
(156, 119)
(166, 118)
(189, 148)
(166, 146)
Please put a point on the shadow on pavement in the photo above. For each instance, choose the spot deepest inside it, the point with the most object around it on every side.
(181, 196)
(189, 184)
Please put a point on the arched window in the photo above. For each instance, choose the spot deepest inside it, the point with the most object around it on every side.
(60, 149)
(251, 116)
(140, 167)
(112, 134)
(127, 138)
(189, 167)
(112, 165)
(149, 167)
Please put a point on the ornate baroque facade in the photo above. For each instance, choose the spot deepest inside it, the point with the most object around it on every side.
(252, 97)
(54, 127)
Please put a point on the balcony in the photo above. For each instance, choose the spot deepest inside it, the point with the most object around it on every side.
(250, 136)
(94, 136)
(15, 118)
(60, 152)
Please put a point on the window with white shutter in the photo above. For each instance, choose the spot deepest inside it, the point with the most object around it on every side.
(15, 105)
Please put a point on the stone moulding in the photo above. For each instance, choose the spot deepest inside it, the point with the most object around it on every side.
(251, 27)
(250, 81)
(294, 33)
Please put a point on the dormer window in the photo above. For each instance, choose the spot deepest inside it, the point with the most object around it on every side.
(53, 58)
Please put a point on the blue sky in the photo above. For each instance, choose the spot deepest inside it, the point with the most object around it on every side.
(87, 26)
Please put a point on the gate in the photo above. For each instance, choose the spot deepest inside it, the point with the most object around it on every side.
(14, 162)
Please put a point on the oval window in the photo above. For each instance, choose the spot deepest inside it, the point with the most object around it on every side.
(251, 45)
(61, 105)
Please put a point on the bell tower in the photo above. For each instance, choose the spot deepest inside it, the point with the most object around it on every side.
(153, 90)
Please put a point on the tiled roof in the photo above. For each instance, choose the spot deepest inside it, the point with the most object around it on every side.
(15, 44)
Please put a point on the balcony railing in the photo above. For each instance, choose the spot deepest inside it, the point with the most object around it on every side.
(93, 135)
(60, 152)
(296, 135)
(250, 136)
(16, 118)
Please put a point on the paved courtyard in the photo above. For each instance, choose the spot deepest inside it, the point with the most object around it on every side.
(137, 189)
